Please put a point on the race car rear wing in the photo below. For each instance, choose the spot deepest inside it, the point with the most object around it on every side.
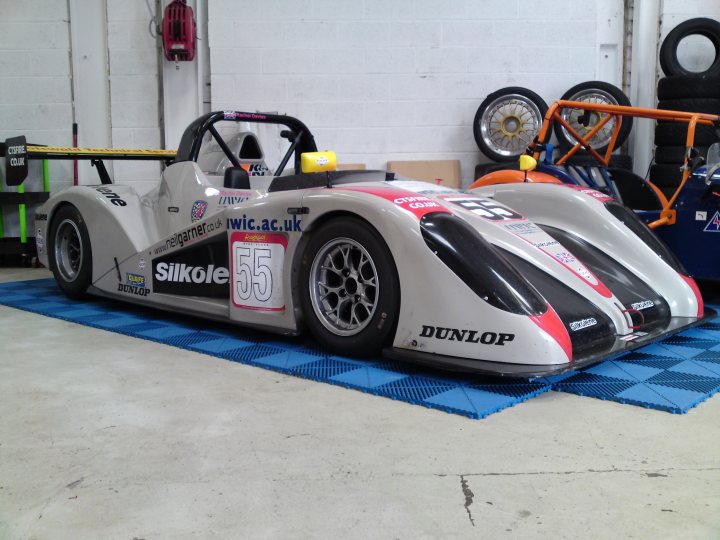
(17, 153)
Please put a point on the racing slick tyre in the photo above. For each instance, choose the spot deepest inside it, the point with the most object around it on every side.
(688, 87)
(349, 288)
(593, 92)
(699, 105)
(69, 251)
(675, 134)
(507, 121)
(701, 26)
(675, 154)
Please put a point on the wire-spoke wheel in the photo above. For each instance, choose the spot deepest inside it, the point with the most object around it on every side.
(583, 121)
(350, 291)
(507, 121)
(69, 251)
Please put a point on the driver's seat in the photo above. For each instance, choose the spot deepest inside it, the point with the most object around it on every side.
(236, 178)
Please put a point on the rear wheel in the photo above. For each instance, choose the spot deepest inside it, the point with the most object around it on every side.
(69, 251)
(350, 291)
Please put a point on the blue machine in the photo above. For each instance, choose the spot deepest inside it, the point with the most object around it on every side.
(695, 236)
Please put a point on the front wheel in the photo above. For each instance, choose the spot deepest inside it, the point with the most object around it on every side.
(69, 251)
(350, 291)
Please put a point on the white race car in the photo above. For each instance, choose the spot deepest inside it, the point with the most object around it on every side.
(511, 279)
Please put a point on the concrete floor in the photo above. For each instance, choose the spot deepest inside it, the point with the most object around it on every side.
(105, 436)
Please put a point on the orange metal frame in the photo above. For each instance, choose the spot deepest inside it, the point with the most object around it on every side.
(607, 113)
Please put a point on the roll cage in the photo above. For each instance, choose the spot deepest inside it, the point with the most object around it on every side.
(299, 135)
(617, 112)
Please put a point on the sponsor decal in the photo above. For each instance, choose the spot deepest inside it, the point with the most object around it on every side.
(255, 169)
(235, 115)
(173, 209)
(198, 210)
(137, 280)
(417, 202)
(131, 289)
(141, 264)
(245, 223)
(190, 236)
(111, 196)
(547, 244)
(467, 336)
(40, 217)
(565, 257)
(583, 323)
(418, 205)
(485, 208)
(200, 270)
(256, 267)
(714, 224)
(534, 235)
(526, 227)
(700, 216)
(185, 273)
(643, 305)
(600, 196)
(39, 241)
(135, 285)
(233, 198)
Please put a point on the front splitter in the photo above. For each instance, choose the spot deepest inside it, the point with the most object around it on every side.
(530, 371)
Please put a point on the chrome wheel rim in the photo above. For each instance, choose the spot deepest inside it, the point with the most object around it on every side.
(68, 250)
(571, 116)
(344, 287)
(508, 124)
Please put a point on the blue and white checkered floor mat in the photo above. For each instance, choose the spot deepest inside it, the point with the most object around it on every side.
(674, 375)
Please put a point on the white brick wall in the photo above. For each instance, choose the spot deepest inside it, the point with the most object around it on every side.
(378, 80)
(134, 95)
(35, 90)
(35, 86)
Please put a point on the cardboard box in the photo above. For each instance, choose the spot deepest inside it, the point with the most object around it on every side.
(445, 172)
(350, 166)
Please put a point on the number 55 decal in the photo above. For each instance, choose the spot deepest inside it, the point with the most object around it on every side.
(257, 270)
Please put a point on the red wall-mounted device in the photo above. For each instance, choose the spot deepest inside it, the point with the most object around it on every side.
(178, 32)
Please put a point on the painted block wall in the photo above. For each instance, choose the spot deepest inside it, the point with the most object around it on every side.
(380, 80)
(134, 94)
(35, 89)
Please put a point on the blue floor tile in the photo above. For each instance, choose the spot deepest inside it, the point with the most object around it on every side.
(673, 375)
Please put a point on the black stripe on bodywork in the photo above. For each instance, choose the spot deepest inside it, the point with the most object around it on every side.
(480, 265)
(572, 308)
(625, 285)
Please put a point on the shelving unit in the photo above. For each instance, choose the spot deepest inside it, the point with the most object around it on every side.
(22, 246)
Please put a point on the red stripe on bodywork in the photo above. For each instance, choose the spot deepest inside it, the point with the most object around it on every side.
(419, 205)
(550, 323)
(701, 305)
(594, 193)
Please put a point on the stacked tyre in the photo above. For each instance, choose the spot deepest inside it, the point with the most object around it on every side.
(684, 90)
